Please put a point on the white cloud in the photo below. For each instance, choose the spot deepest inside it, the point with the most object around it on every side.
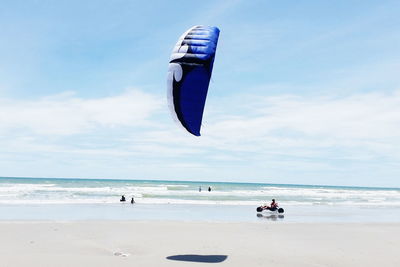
(68, 114)
(363, 116)
(292, 124)
(359, 126)
(251, 135)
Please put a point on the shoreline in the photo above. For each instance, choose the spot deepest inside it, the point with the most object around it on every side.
(195, 213)
(156, 243)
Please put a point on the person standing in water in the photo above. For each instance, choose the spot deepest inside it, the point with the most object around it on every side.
(209, 189)
(132, 201)
(122, 198)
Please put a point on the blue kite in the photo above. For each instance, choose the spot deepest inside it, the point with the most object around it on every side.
(189, 75)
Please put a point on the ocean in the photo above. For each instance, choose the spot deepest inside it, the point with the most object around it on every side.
(75, 199)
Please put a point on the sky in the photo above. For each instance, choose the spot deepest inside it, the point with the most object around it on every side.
(302, 92)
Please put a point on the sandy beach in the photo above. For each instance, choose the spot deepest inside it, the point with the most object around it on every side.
(156, 243)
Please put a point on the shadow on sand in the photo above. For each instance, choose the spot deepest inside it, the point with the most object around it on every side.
(198, 258)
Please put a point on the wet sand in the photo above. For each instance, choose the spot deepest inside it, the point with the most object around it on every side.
(156, 243)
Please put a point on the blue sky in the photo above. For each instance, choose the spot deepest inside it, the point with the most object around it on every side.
(304, 92)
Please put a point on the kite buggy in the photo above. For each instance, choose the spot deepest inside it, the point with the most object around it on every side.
(272, 207)
(279, 210)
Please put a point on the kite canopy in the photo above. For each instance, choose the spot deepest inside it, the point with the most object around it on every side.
(189, 75)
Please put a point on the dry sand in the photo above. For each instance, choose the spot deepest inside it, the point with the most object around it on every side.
(136, 243)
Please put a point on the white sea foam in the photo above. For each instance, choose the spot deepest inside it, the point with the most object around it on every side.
(104, 192)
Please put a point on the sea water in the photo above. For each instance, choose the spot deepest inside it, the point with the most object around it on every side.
(96, 199)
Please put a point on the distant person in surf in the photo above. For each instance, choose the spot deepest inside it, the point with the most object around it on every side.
(199, 188)
(209, 189)
(122, 199)
(132, 201)
(272, 207)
